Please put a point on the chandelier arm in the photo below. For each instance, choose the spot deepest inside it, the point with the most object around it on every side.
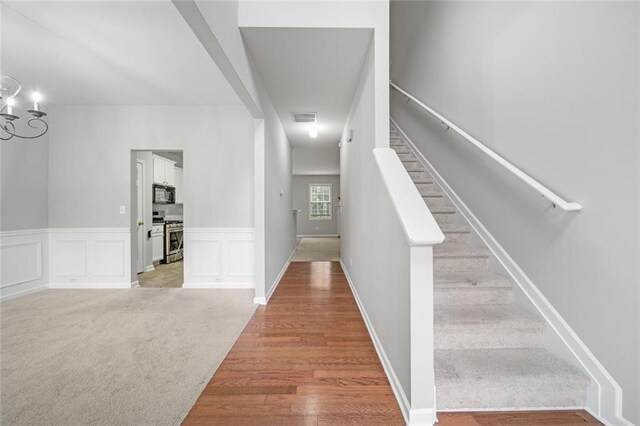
(6, 130)
(13, 133)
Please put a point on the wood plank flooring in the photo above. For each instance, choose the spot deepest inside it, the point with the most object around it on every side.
(519, 418)
(307, 359)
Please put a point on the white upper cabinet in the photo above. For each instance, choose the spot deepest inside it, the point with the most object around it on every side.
(163, 171)
(179, 175)
(169, 173)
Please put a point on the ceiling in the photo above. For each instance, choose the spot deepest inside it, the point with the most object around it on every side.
(310, 70)
(109, 52)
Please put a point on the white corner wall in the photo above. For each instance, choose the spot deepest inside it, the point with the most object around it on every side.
(553, 87)
(217, 26)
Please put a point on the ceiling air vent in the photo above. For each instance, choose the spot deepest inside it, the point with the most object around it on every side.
(304, 117)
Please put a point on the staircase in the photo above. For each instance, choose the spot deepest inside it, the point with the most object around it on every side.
(488, 351)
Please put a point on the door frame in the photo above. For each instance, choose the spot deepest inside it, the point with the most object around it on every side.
(140, 208)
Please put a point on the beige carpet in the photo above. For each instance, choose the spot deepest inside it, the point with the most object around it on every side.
(114, 357)
(317, 248)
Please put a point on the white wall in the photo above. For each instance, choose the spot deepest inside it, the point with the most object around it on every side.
(553, 87)
(89, 167)
(373, 246)
(24, 216)
(306, 226)
(90, 177)
(23, 180)
(320, 161)
(216, 25)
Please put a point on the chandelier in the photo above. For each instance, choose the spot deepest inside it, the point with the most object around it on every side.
(9, 89)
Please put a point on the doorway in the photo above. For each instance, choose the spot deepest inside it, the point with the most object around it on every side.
(158, 208)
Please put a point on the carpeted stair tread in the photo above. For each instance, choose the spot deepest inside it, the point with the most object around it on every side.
(459, 250)
(442, 210)
(432, 194)
(506, 378)
(455, 228)
(471, 279)
(488, 326)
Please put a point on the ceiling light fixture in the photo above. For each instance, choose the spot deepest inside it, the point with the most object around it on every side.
(9, 89)
(313, 133)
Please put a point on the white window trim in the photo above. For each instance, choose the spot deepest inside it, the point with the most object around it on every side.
(330, 201)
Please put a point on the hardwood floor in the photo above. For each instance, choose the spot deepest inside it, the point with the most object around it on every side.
(307, 359)
(521, 418)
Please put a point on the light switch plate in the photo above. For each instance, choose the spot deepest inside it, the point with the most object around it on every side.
(122, 210)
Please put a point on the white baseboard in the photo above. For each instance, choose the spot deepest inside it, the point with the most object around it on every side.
(228, 285)
(135, 284)
(21, 291)
(149, 268)
(317, 236)
(403, 402)
(608, 406)
(265, 300)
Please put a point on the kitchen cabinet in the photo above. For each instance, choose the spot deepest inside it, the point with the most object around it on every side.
(157, 242)
(179, 176)
(163, 171)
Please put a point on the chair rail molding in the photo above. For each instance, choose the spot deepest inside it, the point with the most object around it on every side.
(555, 199)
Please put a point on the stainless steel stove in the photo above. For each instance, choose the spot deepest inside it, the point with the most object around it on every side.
(173, 240)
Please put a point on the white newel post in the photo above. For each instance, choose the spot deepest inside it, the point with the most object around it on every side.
(423, 398)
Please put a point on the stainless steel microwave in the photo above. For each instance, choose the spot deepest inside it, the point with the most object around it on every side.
(163, 194)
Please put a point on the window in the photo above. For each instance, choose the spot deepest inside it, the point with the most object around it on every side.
(320, 201)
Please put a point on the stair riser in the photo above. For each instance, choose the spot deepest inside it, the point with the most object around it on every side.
(436, 201)
(486, 338)
(473, 296)
(405, 157)
(472, 395)
(443, 218)
(420, 175)
(401, 150)
(413, 166)
(426, 188)
(456, 237)
(450, 264)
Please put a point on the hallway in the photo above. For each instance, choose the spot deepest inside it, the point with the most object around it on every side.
(306, 358)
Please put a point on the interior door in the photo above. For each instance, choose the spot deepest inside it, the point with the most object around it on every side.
(140, 216)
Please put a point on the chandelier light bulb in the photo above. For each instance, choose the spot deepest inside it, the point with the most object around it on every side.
(37, 97)
(10, 104)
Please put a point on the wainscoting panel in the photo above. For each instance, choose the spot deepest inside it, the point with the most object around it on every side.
(24, 262)
(219, 258)
(90, 258)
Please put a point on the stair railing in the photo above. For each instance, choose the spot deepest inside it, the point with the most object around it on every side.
(555, 199)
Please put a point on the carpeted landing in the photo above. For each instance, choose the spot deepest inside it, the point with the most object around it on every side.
(317, 249)
(114, 357)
